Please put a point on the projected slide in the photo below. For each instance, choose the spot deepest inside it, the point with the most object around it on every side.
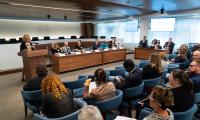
(164, 24)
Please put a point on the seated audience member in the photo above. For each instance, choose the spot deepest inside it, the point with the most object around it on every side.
(96, 45)
(35, 83)
(79, 47)
(90, 112)
(181, 87)
(195, 48)
(105, 90)
(157, 46)
(196, 55)
(194, 74)
(160, 100)
(57, 101)
(133, 79)
(154, 69)
(182, 55)
(163, 60)
(169, 46)
(66, 49)
(55, 48)
(143, 43)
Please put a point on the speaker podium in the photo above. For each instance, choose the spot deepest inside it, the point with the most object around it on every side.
(30, 61)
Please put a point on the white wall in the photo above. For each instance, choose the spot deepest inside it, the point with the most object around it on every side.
(16, 28)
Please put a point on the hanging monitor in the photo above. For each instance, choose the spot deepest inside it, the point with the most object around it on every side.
(163, 24)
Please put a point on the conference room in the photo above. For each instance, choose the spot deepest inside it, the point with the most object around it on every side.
(64, 59)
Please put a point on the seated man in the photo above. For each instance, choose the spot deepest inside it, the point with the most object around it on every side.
(143, 43)
(194, 74)
(169, 45)
(66, 49)
(35, 83)
(96, 45)
(79, 47)
(133, 79)
(196, 55)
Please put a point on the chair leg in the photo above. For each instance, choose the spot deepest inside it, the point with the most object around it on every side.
(25, 110)
(129, 112)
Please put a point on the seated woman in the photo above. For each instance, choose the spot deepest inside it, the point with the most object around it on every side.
(163, 60)
(182, 54)
(79, 47)
(66, 49)
(105, 90)
(55, 48)
(160, 99)
(154, 69)
(57, 101)
(181, 87)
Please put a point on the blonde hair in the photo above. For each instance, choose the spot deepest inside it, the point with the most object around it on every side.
(163, 96)
(52, 84)
(54, 45)
(24, 38)
(183, 49)
(163, 55)
(90, 112)
(155, 61)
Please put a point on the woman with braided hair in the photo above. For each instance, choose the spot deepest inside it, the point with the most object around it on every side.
(57, 100)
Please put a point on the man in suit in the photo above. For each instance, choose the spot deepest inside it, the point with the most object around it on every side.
(143, 43)
(169, 45)
(96, 45)
(194, 74)
(66, 49)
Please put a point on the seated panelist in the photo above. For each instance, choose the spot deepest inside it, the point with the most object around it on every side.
(143, 43)
(79, 47)
(55, 48)
(66, 49)
(96, 45)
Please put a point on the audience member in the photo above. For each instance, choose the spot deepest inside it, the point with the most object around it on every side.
(96, 45)
(182, 54)
(181, 87)
(66, 49)
(143, 43)
(105, 90)
(90, 112)
(169, 46)
(194, 74)
(163, 60)
(153, 69)
(133, 79)
(26, 43)
(35, 83)
(57, 100)
(160, 99)
(79, 47)
(55, 48)
(196, 55)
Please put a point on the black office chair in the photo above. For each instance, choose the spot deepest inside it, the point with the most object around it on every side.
(61, 37)
(102, 37)
(20, 40)
(46, 38)
(73, 37)
(82, 37)
(13, 40)
(2, 41)
(35, 39)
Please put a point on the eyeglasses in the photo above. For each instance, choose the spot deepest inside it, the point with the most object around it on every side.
(192, 65)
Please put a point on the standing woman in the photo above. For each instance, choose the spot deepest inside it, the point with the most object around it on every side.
(26, 45)
(57, 101)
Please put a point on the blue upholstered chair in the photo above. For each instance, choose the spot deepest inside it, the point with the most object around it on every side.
(117, 72)
(144, 113)
(121, 67)
(32, 100)
(76, 87)
(143, 63)
(186, 115)
(170, 67)
(163, 76)
(181, 65)
(171, 56)
(85, 76)
(106, 106)
(149, 84)
(131, 95)
(197, 97)
(72, 116)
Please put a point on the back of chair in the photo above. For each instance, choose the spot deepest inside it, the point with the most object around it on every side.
(134, 91)
(107, 105)
(143, 63)
(144, 113)
(171, 56)
(117, 72)
(149, 83)
(170, 67)
(186, 115)
(75, 84)
(32, 95)
(181, 65)
(72, 116)
(197, 97)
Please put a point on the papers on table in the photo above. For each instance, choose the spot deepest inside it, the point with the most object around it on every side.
(92, 86)
(123, 118)
(97, 50)
(87, 52)
(77, 53)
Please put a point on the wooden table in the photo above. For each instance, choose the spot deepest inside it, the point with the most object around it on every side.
(144, 53)
(73, 61)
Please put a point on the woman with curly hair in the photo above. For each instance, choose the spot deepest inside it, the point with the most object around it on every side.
(154, 68)
(57, 100)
